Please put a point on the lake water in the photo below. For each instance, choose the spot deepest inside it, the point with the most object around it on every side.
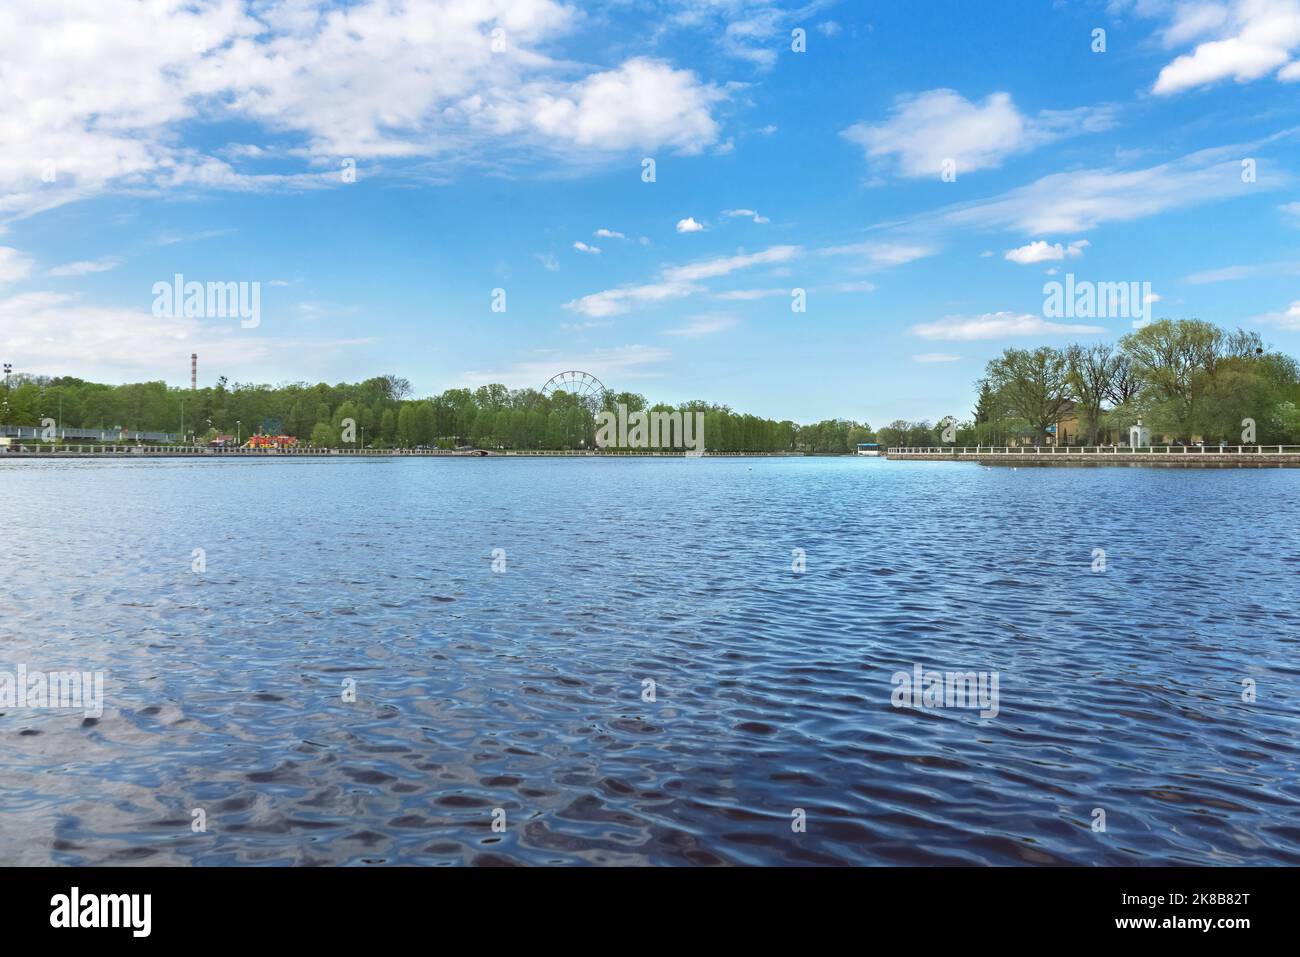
(525, 689)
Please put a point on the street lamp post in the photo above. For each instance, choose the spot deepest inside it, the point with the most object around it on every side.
(239, 435)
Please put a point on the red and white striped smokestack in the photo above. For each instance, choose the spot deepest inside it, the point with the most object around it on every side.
(194, 371)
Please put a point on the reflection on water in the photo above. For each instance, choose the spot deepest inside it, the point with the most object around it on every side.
(523, 690)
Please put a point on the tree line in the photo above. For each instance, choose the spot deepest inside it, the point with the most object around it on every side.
(1184, 380)
(382, 412)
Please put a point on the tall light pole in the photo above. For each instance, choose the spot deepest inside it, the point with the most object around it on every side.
(239, 436)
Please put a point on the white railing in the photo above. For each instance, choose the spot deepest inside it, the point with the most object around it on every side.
(1096, 450)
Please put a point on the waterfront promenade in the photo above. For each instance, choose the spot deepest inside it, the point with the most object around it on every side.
(1155, 456)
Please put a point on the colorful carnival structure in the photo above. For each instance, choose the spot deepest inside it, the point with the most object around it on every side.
(271, 442)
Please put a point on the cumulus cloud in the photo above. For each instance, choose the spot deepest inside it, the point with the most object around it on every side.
(689, 225)
(582, 247)
(644, 103)
(997, 325)
(926, 129)
(609, 234)
(1242, 40)
(1041, 251)
(104, 94)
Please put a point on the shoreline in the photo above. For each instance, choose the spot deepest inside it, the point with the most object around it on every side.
(133, 452)
(1109, 459)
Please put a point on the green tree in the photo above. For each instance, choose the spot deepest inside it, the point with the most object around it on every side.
(1033, 384)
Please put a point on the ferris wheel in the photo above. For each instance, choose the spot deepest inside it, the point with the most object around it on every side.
(589, 390)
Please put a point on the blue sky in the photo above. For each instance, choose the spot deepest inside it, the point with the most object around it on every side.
(499, 144)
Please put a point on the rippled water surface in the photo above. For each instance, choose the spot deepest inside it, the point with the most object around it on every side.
(1119, 690)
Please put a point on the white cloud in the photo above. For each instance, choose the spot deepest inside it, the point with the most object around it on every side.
(614, 302)
(767, 130)
(644, 103)
(1282, 267)
(103, 94)
(854, 287)
(1289, 320)
(582, 247)
(747, 214)
(689, 225)
(926, 129)
(1081, 200)
(997, 325)
(1246, 40)
(609, 234)
(85, 266)
(548, 261)
(1224, 274)
(746, 295)
(755, 31)
(883, 254)
(1193, 20)
(1041, 251)
(675, 282)
(829, 28)
(935, 357)
(704, 325)
(724, 265)
(59, 334)
(14, 266)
